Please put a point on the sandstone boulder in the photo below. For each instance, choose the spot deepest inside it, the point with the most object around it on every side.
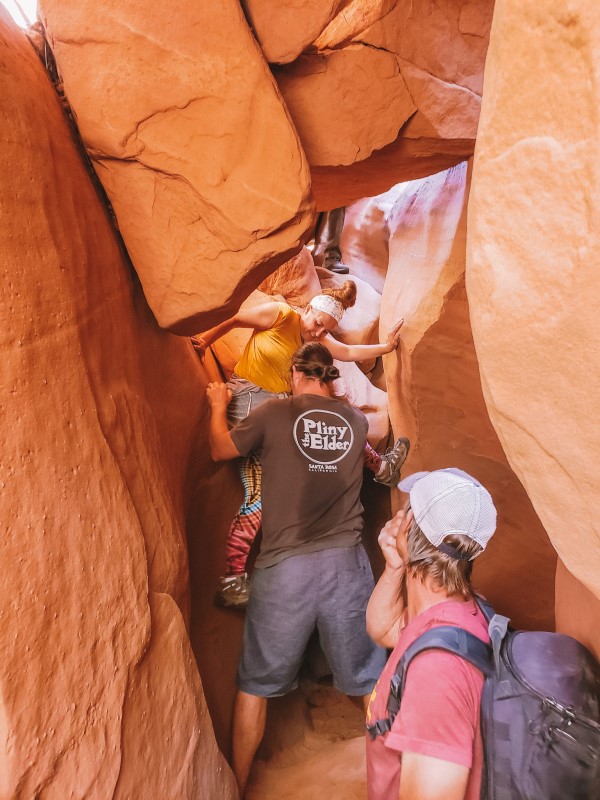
(533, 268)
(435, 394)
(296, 280)
(440, 49)
(101, 417)
(345, 104)
(285, 28)
(192, 143)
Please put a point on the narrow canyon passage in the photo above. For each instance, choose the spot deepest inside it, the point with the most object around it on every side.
(406, 252)
(160, 169)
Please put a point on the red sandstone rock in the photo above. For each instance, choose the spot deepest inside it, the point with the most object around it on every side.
(403, 160)
(296, 280)
(101, 418)
(345, 104)
(440, 48)
(435, 393)
(192, 143)
(284, 29)
(446, 38)
(533, 267)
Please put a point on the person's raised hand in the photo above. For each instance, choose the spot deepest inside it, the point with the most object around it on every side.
(387, 542)
(393, 337)
(199, 345)
(218, 394)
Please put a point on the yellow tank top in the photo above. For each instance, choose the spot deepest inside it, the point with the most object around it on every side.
(267, 359)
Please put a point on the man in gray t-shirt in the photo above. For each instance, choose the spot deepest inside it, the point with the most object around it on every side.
(312, 572)
(311, 452)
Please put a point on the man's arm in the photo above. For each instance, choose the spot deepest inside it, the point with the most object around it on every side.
(386, 606)
(428, 778)
(221, 444)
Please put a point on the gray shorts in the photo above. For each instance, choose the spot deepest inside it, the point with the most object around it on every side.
(328, 590)
(246, 396)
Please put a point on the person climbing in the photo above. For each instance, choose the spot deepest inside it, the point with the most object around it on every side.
(263, 373)
(311, 538)
(327, 252)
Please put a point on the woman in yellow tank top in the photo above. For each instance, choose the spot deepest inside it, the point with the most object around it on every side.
(263, 373)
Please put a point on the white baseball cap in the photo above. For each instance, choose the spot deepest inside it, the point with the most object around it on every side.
(450, 501)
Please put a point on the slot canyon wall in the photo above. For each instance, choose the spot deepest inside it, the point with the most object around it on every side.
(103, 439)
(532, 277)
(411, 242)
(214, 147)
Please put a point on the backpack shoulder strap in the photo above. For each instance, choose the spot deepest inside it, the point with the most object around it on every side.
(446, 637)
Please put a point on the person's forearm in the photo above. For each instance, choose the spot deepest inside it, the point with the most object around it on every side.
(218, 433)
(364, 352)
(210, 336)
(385, 608)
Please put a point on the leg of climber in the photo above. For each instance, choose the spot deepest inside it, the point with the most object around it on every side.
(386, 467)
(327, 251)
(234, 589)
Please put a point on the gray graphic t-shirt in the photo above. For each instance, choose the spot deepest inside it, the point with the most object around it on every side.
(312, 458)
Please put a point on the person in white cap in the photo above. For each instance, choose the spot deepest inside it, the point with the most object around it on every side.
(433, 747)
(262, 373)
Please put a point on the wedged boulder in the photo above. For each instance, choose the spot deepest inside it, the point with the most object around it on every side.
(101, 420)
(446, 111)
(296, 280)
(192, 143)
(440, 49)
(346, 103)
(533, 267)
(403, 160)
(284, 29)
(446, 38)
(435, 392)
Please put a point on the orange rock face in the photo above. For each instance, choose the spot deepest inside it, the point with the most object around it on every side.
(296, 280)
(435, 392)
(285, 28)
(533, 266)
(345, 104)
(192, 143)
(101, 693)
(428, 55)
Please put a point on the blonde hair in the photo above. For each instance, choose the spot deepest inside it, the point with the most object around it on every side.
(346, 294)
(425, 561)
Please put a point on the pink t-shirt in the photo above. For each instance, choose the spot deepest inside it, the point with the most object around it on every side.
(439, 714)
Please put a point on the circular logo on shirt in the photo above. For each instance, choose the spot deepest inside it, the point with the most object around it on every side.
(323, 437)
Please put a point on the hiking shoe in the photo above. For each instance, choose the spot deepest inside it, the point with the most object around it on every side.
(234, 591)
(389, 474)
(336, 265)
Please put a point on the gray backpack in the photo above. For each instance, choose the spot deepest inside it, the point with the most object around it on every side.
(540, 709)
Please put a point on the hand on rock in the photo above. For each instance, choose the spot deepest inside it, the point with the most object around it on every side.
(393, 338)
(218, 394)
(199, 345)
(387, 542)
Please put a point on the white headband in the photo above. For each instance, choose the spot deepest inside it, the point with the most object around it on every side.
(329, 305)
